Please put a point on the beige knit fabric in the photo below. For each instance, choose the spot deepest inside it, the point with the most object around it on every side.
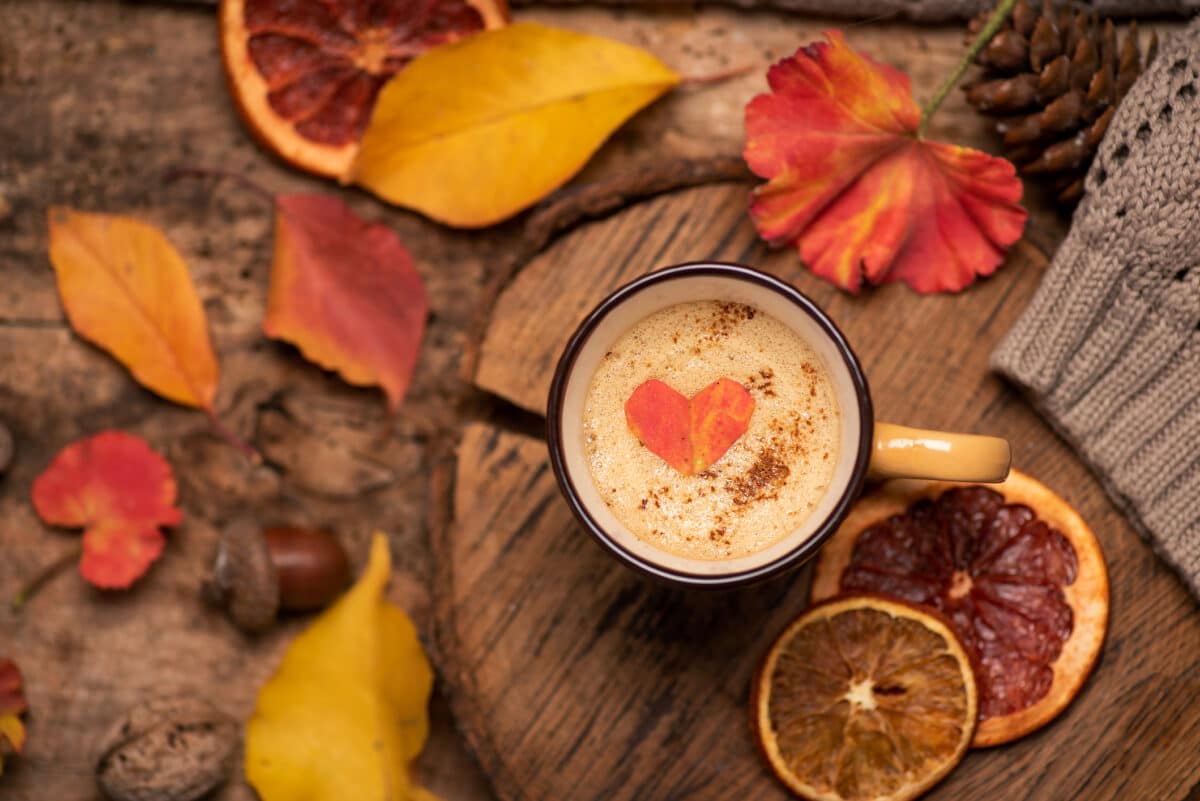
(1109, 347)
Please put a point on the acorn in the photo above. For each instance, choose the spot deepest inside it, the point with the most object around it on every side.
(259, 572)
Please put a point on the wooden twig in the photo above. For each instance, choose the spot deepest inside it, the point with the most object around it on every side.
(44, 575)
(173, 174)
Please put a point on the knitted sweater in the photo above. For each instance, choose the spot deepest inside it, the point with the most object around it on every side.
(1109, 347)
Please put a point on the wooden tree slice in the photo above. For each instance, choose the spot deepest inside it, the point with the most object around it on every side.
(591, 674)
(573, 678)
(533, 319)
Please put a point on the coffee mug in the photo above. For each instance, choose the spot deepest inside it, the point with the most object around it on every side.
(867, 448)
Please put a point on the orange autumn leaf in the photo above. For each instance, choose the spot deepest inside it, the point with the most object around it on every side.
(345, 292)
(857, 192)
(119, 490)
(12, 706)
(659, 416)
(720, 414)
(125, 288)
(690, 435)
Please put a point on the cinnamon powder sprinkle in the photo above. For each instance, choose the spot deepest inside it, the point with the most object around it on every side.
(764, 486)
(762, 480)
(722, 323)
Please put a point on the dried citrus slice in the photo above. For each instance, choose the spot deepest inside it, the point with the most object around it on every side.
(1014, 568)
(864, 698)
(305, 73)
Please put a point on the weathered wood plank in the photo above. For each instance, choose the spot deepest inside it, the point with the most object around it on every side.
(97, 99)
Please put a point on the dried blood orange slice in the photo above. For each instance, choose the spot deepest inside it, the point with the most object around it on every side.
(864, 698)
(1015, 569)
(305, 73)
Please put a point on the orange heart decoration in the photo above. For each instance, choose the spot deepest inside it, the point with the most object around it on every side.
(690, 435)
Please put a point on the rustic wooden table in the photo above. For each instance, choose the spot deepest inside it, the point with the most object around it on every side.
(97, 99)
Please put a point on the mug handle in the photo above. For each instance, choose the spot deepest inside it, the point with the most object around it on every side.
(903, 452)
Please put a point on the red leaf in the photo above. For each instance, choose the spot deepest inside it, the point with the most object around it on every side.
(12, 697)
(118, 553)
(720, 415)
(120, 491)
(857, 193)
(659, 416)
(345, 292)
(12, 706)
(690, 435)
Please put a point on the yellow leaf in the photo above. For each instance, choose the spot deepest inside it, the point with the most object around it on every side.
(12, 732)
(125, 288)
(345, 713)
(472, 132)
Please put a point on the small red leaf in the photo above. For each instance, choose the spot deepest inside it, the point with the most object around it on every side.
(659, 417)
(12, 694)
(120, 491)
(857, 193)
(720, 415)
(692, 435)
(12, 706)
(117, 553)
(345, 293)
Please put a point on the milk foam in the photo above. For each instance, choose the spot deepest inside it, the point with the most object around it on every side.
(767, 483)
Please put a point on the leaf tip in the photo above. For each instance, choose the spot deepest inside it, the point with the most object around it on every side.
(57, 215)
(379, 562)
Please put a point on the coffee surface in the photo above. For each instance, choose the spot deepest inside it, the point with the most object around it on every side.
(767, 483)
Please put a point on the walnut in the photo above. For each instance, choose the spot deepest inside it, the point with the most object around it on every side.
(169, 749)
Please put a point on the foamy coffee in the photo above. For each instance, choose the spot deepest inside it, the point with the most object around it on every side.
(767, 483)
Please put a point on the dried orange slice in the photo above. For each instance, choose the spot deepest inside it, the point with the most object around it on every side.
(864, 698)
(1014, 568)
(305, 73)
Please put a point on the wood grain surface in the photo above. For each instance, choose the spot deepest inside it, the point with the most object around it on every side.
(97, 99)
(933, 10)
(574, 678)
(917, 10)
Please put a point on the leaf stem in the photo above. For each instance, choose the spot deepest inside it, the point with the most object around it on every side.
(172, 174)
(225, 433)
(715, 77)
(44, 575)
(978, 43)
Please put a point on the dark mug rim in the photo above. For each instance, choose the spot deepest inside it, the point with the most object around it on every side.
(554, 429)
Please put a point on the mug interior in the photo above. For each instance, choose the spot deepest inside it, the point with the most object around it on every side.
(682, 285)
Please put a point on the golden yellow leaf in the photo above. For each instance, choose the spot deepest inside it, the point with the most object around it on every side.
(472, 132)
(345, 713)
(12, 731)
(125, 288)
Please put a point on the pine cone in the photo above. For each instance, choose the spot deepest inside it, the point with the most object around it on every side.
(1055, 76)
